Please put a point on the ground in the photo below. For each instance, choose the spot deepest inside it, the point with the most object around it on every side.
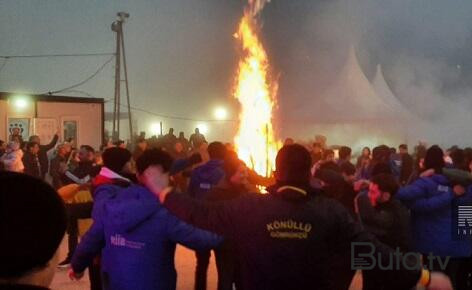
(185, 265)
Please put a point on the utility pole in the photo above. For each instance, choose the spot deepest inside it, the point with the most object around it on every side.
(117, 26)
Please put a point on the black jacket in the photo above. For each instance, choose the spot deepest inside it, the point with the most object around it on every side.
(389, 222)
(43, 155)
(284, 239)
(31, 163)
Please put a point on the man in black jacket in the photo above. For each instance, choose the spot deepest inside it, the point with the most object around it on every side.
(286, 238)
(387, 219)
(43, 152)
(31, 160)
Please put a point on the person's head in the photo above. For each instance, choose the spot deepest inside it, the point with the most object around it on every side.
(15, 131)
(61, 150)
(434, 158)
(2, 144)
(120, 143)
(117, 160)
(393, 150)
(293, 164)
(181, 135)
(35, 138)
(328, 155)
(229, 146)
(345, 153)
(332, 183)
(33, 225)
(381, 168)
(317, 148)
(381, 154)
(348, 171)
(236, 172)
(403, 148)
(468, 157)
(32, 147)
(154, 159)
(366, 152)
(171, 131)
(459, 159)
(383, 187)
(142, 144)
(288, 141)
(178, 147)
(86, 153)
(217, 150)
(197, 131)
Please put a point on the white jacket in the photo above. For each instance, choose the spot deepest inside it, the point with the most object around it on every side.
(13, 161)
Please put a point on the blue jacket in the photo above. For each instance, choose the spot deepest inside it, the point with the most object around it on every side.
(205, 177)
(430, 200)
(137, 239)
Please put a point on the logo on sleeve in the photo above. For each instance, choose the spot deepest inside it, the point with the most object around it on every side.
(120, 241)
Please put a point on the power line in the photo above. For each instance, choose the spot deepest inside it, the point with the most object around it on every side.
(84, 81)
(172, 117)
(56, 55)
(5, 60)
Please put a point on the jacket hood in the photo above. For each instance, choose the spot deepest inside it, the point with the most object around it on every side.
(293, 192)
(440, 179)
(131, 207)
(210, 171)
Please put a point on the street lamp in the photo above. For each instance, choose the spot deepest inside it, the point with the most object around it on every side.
(203, 128)
(220, 113)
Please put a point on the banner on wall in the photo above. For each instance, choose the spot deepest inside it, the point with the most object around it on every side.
(45, 128)
(19, 126)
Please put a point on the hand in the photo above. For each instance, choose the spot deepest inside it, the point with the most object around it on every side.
(74, 276)
(427, 173)
(459, 190)
(439, 281)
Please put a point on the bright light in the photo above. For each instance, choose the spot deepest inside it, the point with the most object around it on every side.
(20, 102)
(203, 128)
(220, 113)
(155, 128)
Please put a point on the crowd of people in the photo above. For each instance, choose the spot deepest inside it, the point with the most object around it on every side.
(169, 190)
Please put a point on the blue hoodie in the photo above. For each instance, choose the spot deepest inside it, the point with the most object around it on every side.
(430, 200)
(137, 238)
(205, 177)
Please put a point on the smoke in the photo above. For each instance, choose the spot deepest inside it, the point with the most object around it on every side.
(422, 46)
(256, 6)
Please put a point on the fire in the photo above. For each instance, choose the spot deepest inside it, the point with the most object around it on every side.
(255, 142)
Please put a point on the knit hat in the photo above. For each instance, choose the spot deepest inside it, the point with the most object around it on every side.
(434, 158)
(293, 164)
(32, 224)
(115, 158)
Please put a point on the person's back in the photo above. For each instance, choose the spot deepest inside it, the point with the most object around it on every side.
(141, 237)
(284, 239)
(136, 235)
(206, 176)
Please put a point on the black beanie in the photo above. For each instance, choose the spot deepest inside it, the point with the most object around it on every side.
(434, 158)
(293, 164)
(32, 224)
(115, 158)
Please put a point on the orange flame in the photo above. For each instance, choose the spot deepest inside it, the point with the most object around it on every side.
(255, 142)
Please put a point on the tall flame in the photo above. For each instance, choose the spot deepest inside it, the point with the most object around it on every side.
(255, 142)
